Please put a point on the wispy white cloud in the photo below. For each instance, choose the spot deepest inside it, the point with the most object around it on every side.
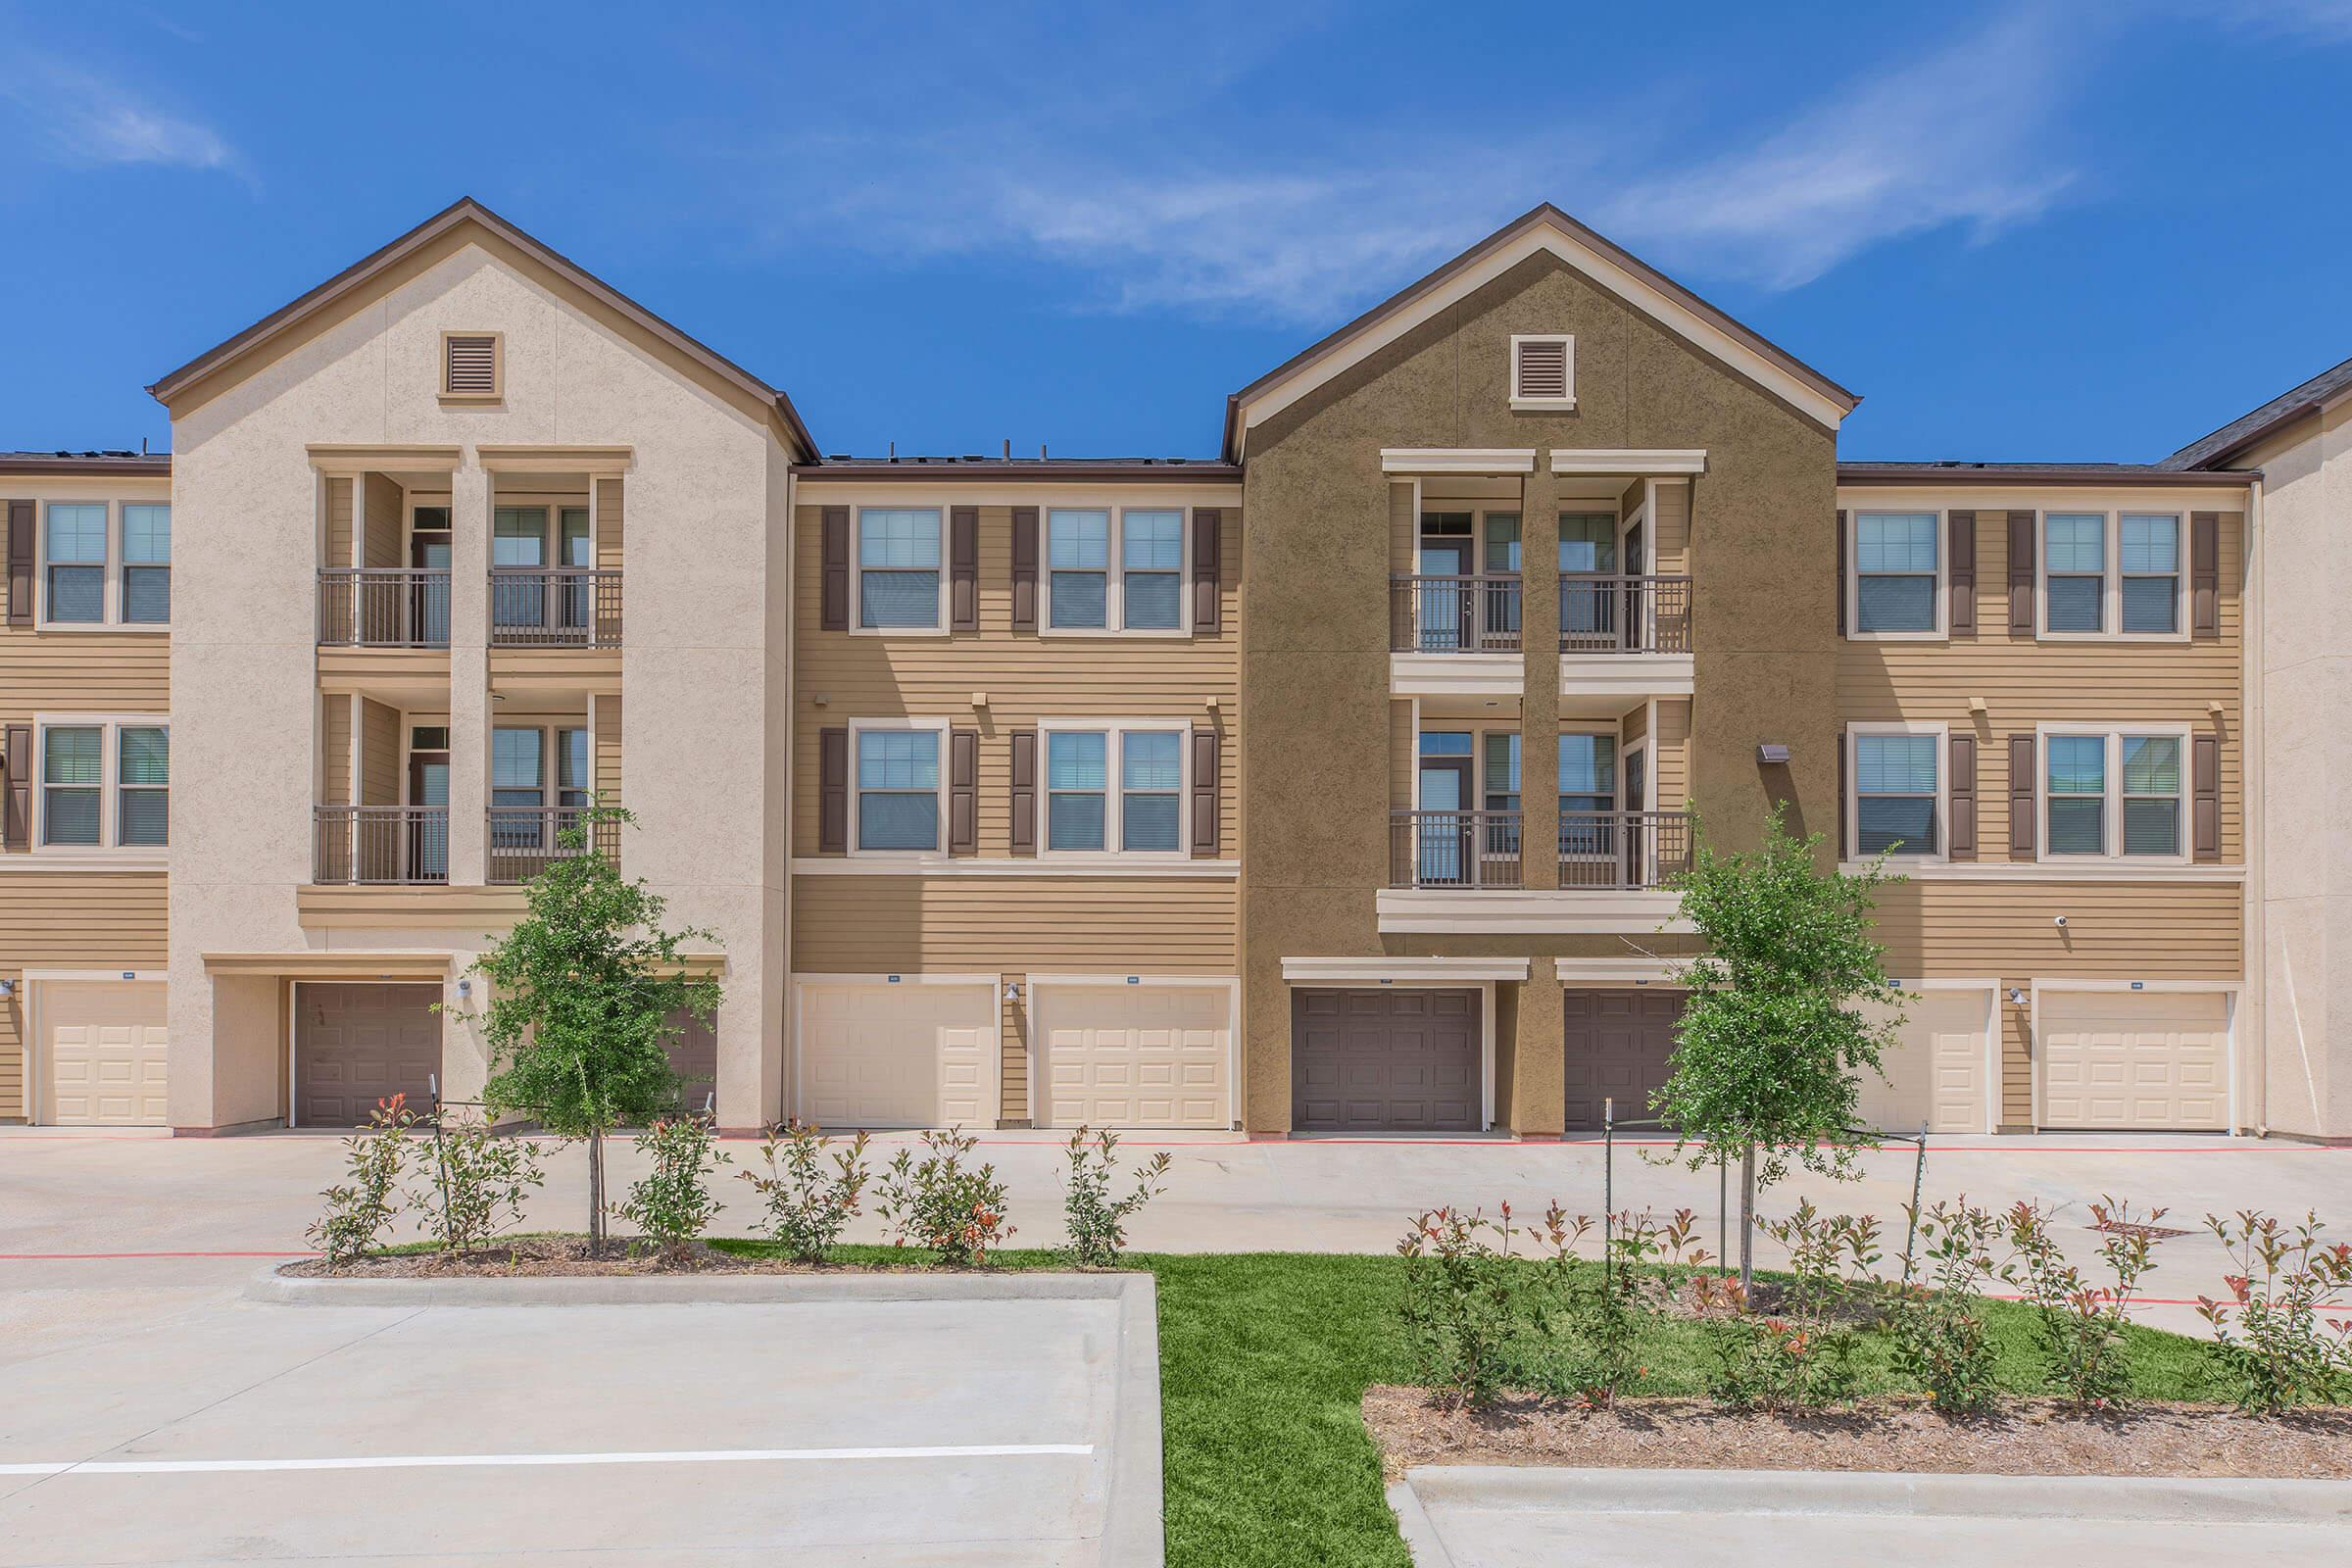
(2309, 20)
(71, 117)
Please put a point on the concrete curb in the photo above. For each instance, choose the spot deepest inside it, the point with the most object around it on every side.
(1133, 1531)
(2177, 1499)
(1421, 1539)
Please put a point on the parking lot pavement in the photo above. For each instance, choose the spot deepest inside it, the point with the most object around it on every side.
(881, 1433)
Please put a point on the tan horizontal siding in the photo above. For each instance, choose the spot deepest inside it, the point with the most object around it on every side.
(1013, 1064)
(609, 750)
(335, 751)
(379, 753)
(1404, 531)
(900, 924)
(1670, 531)
(1670, 762)
(1403, 750)
(609, 512)
(1026, 677)
(70, 921)
(338, 523)
(82, 673)
(385, 522)
(2025, 683)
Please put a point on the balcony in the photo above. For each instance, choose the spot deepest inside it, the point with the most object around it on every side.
(1453, 849)
(555, 607)
(383, 607)
(1461, 872)
(525, 840)
(1623, 850)
(1604, 614)
(1432, 615)
(380, 846)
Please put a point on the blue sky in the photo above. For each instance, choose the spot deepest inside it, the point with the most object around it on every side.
(2021, 230)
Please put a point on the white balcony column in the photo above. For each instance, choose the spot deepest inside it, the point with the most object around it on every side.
(470, 704)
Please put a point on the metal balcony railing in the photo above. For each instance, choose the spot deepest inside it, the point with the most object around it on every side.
(1624, 850)
(380, 844)
(555, 607)
(1453, 849)
(1601, 615)
(383, 607)
(525, 840)
(1435, 615)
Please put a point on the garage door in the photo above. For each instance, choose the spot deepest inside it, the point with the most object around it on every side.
(2134, 1059)
(1385, 1061)
(898, 1055)
(104, 1046)
(356, 1044)
(693, 1056)
(1619, 1046)
(1935, 1072)
(1136, 1055)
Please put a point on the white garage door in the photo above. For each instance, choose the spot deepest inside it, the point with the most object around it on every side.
(1936, 1073)
(2134, 1059)
(104, 1045)
(1136, 1055)
(898, 1055)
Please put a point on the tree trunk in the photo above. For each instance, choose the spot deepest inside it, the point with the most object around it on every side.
(596, 1193)
(1747, 1220)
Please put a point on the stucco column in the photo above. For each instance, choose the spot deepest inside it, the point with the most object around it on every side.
(470, 704)
(1539, 701)
(1538, 1105)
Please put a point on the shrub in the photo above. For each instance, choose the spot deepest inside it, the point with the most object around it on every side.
(360, 1211)
(672, 1204)
(1461, 1306)
(2277, 1341)
(1590, 1314)
(478, 1184)
(942, 1203)
(1939, 1335)
(1775, 1365)
(807, 1209)
(1096, 1222)
(1830, 1258)
(2081, 1325)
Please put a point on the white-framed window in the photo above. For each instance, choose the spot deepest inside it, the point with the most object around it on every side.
(517, 780)
(2115, 794)
(1588, 789)
(897, 787)
(1118, 571)
(1896, 789)
(1542, 371)
(1115, 787)
(2113, 574)
(895, 566)
(1896, 576)
(103, 782)
(105, 564)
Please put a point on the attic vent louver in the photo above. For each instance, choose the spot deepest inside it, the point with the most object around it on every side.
(470, 366)
(1543, 372)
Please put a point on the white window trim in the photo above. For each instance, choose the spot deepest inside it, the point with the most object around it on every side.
(2111, 590)
(935, 727)
(110, 760)
(939, 618)
(1851, 850)
(1853, 577)
(110, 601)
(1117, 729)
(2111, 824)
(1567, 342)
(1114, 588)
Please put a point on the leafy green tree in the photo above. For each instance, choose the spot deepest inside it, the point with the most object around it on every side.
(1772, 1040)
(584, 994)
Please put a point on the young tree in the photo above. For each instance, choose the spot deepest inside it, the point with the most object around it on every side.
(1771, 1041)
(583, 994)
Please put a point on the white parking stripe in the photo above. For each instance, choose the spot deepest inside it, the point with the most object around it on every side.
(431, 1461)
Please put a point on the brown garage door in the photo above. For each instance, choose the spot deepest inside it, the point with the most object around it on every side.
(355, 1045)
(1618, 1043)
(694, 1057)
(1384, 1061)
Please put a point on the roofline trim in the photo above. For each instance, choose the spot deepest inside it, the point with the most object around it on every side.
(1203, 472)
(155, 467)
(1929, 475)
(464, 209)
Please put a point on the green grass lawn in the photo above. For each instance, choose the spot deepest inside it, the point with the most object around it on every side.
(1264, 1358)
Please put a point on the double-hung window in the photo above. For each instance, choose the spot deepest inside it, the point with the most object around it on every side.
(106, 564)
(574, 791)
(2077, 794)
(1152, 570)
(898, 568)
(2149, 561)
(517, 782)
(2116, 795)
(1110, 571)
(2112, 575)
(1588, 794)
(1078, 566)
(104, 783)
(898, 790)
(75, 543)
(1895, 794)
(1151, 792)
(1897, 572)
(1077, 788)
(2074, 571)
(1114, 789)
(2152, 791)
(146, 564)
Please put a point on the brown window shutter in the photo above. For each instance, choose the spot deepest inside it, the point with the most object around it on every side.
(19, 830)
(964, 792)
(1207, 524)
(2205, 780)
(1960, 792)
(19, 563)
(1204, 793)
(2021, 796)
(836, 569)
(832, 791)
(2205, 573)
(1024, 787)
(1024, 568)
(1845, 837)
(1842, 587)
(1963, 531)
(964, 568)
(2021, 575)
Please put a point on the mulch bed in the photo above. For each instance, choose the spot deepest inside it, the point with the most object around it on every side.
(571, 1257)
(2027, 1438)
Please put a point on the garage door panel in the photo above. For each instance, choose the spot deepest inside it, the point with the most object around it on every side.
(1136, 1055)
(1934, 1073)
(356, 1045)
(105, 1051)
(1386, 1060)
(904, 1055)
(2146, 1060)
(1617, 1045)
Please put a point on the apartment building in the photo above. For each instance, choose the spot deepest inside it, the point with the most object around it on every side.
(1150, 793)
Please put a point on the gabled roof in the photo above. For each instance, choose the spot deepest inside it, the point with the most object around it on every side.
(465, 209)
(114, 460)
(1603, 261)
(2242, 432)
